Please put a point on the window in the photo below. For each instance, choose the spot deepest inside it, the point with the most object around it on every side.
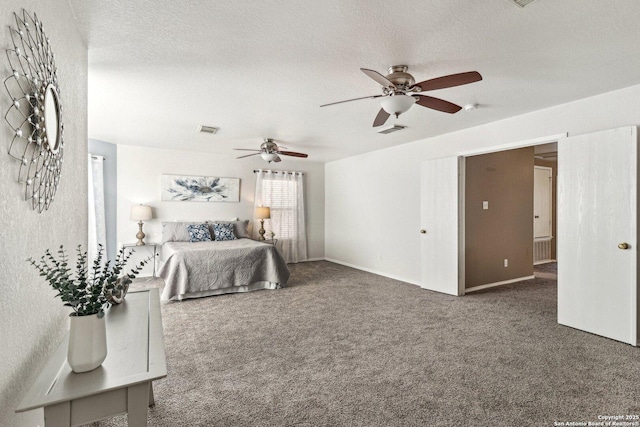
(282, 198)
(282, 192)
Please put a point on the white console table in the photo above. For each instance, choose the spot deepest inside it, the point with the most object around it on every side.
(122, 384)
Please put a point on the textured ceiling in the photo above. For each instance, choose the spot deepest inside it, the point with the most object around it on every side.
(159, 68)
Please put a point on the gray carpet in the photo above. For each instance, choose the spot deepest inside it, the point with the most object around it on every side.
(342, 347)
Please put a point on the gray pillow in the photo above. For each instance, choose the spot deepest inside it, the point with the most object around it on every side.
(176, 231)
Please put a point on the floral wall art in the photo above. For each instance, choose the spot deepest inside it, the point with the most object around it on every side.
(184, 188)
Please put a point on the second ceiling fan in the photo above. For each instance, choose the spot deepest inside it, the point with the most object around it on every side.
(401, 91)
(271, 152)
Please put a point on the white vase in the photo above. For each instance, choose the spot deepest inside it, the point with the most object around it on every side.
(87, 342)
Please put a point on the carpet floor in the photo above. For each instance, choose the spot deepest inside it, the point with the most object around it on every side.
(342, 347)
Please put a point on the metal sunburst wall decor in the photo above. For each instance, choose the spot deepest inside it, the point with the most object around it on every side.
(35, 114)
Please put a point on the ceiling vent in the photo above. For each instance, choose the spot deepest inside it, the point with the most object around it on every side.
(208, 129)
(522, 3)
(391, 129)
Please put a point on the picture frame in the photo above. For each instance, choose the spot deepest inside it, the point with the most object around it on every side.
(195, 188)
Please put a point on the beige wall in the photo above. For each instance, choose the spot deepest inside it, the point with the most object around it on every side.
(505, 230)
(33, 322)
(553, 164)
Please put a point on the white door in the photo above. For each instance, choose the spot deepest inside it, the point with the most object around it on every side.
(542, 202)
(440, 213)
(597, 233)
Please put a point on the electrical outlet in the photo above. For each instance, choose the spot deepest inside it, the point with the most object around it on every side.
(485, 204)
(506, 262)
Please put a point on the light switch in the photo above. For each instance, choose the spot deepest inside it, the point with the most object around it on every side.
(485, 204)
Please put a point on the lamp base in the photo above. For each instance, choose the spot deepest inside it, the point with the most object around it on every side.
(140, 235)
(262, 231)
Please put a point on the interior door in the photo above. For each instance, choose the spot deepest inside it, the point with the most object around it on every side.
(542, 202)
(440, 189)
(597, 233)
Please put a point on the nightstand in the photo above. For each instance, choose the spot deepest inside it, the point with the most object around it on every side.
(147, 245)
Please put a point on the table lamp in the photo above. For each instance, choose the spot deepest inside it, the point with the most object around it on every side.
(140, 213)
(262, 213)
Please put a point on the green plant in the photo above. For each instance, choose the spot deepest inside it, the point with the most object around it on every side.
(86, 291)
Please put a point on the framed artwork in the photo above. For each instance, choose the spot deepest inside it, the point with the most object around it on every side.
(184, 188)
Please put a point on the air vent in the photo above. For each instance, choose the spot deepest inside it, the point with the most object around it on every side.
(522, 3)
(208, 129)
(391, 129)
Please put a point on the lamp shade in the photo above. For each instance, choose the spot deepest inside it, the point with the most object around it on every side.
(263, 212)
(141, 213)
(397, 104)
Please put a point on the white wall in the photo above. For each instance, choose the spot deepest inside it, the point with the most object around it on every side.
(372, 201)
(140, 168)
(33, 322)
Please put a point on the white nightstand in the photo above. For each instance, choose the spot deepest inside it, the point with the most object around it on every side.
(146, 245)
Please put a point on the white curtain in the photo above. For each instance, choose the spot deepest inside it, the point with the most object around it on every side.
(97, 222)
(282, 192)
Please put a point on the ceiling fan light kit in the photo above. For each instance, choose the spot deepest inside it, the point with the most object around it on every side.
(397, 104)
(268, 157)
(400, 91)
(270, 152)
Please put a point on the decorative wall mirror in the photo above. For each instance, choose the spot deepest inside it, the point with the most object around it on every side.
(35, 114)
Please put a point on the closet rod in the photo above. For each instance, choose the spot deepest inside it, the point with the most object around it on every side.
(263, 170)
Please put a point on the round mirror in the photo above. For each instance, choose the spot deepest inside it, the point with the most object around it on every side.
(52, 118)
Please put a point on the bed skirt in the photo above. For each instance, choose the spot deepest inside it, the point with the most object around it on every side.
(232, 290)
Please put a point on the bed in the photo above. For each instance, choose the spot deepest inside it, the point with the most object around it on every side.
(199, 269)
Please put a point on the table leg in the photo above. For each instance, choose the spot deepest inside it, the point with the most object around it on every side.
(155, 255)
(137, 404)
(152, 400)
(58, 415)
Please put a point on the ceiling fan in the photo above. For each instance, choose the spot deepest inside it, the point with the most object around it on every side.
(270, 151)
(400, 91)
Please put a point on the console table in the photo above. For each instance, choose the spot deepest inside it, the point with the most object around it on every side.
(135, 357)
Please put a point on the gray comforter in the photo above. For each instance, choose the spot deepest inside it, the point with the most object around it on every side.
(210, 268)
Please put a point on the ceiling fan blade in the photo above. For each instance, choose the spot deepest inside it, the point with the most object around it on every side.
(354, 99)
(449, 81)
(381, 118)
(277, 159)
(385, 82)
(245, 149)
(437, 104)
(248, 155)
(292, 153)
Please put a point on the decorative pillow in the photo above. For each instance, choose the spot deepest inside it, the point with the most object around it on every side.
(240, 228)
(224, 232)
(199, 233)
(176, 231)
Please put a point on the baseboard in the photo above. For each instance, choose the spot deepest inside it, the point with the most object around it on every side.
(368, 270)
(504, 282)
(315, 259)
(546, 261)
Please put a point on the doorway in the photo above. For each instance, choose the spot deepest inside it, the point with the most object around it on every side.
(597, 229)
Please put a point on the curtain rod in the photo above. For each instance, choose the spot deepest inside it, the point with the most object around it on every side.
(284, 172)
(96, 157)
